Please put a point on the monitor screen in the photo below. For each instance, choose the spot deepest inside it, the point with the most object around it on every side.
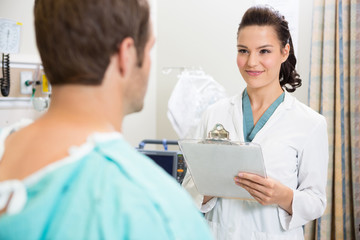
(165, 159)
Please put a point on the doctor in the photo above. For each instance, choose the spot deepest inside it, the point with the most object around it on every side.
(293, 138)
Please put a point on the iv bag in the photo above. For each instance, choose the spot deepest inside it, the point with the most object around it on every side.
(193, 94)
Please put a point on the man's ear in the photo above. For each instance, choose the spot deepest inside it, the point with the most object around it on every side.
(126, 55)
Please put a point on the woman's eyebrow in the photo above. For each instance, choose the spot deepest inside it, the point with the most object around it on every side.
(242, 46)
(263, 46)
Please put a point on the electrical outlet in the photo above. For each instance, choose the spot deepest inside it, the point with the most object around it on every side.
(25, 76)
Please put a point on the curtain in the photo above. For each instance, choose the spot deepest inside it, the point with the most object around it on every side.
(334, 91)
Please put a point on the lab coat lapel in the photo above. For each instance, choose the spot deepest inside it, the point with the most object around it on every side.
(280, 110)
(237, 116)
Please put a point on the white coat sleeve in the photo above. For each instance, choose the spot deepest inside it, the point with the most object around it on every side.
(188, 182)
(190, 187)
(309, 199)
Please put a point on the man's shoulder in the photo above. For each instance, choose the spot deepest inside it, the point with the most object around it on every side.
(122, 165)
(139, 187)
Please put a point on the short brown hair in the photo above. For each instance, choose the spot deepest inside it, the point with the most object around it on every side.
(76, 38)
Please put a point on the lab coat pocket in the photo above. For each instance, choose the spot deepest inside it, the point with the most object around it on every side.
(217, 230)
(270, 236)
(281, 160)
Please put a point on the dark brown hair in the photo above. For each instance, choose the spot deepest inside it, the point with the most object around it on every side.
(76, 38)
(266, 16)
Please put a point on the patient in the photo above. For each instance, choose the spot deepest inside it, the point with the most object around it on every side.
(71, 174)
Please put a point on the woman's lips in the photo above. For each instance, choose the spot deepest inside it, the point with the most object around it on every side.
(254, 73)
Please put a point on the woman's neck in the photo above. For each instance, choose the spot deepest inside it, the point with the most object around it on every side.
(262, 98)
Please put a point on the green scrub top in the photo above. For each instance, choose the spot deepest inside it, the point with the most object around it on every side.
(112, 192)
(248, 122)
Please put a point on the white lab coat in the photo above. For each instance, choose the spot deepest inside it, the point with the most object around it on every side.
(295, 149)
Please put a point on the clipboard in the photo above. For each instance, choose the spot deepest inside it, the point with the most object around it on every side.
(215, 161)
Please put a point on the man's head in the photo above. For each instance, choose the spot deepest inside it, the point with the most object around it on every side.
(76, 38)
(134, 77)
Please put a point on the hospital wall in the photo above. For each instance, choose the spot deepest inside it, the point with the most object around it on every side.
(188, 33)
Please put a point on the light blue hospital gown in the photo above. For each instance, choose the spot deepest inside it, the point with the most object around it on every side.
(105, 189)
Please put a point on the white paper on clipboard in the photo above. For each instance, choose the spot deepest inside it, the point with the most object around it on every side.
(214, 164)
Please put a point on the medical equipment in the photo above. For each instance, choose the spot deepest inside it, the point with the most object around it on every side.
(40, 103)
(9, 43)
(171, 161)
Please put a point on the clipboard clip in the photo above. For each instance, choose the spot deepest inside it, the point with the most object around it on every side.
(218, 133)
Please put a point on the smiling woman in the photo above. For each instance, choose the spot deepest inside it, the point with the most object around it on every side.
(292, 136)
(264, 42)
(260, 56)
